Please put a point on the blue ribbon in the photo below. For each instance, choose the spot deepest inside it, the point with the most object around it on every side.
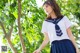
(57, 28)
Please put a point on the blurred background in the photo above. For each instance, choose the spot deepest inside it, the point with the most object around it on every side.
(21, 22)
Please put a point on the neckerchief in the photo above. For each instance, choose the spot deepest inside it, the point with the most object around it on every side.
(57, 28)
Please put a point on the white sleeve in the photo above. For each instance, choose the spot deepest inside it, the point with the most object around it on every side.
(67, 22)
(44, 27)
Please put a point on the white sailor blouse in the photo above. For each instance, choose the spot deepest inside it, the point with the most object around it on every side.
(56, 29)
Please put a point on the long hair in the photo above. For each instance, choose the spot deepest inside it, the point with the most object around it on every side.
(55, 7)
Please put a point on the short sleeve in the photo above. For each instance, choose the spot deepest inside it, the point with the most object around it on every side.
(67, 22)
(44, 27)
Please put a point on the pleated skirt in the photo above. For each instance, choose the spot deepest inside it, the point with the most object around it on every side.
(62, 46)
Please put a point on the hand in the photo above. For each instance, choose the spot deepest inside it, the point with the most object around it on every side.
(77, 51)
(37, 51)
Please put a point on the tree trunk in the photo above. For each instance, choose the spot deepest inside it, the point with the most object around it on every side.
(19, 27)
(8, 36)
(13, 49)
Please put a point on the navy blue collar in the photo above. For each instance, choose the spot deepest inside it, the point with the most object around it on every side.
(57, 28)
(55, 20)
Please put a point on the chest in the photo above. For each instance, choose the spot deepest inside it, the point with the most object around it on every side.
(51, 27)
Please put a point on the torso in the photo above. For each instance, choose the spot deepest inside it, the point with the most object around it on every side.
(51, 31)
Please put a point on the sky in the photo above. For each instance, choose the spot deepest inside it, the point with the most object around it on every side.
(39, 3)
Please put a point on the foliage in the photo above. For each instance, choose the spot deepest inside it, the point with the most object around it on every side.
(32, 17)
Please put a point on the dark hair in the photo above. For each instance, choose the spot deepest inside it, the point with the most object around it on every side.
(55, 7)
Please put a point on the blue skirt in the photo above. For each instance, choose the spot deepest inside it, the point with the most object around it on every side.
(62, 46)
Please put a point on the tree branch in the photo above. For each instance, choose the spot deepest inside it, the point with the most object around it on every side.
(8, 35)
(3, 28)
(19, 27)
(10, 32)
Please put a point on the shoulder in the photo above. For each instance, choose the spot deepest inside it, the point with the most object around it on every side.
(44, 22)
(64, 17)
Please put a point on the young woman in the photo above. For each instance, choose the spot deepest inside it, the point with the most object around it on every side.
(56, 29)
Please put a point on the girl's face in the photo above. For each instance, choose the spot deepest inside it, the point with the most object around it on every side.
(47, 8)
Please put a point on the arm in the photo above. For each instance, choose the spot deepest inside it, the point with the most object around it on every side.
(44, 43)
(72, 39)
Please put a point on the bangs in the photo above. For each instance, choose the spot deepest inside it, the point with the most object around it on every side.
(54, 6)
(46, 2)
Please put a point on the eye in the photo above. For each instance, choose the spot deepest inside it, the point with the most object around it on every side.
(46, 6)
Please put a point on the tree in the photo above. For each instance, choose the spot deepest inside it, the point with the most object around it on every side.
(19, 26)
(21, 23)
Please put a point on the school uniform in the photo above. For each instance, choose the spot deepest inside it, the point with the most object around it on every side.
(59, 39)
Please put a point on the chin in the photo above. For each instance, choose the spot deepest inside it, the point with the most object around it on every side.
(48, 13)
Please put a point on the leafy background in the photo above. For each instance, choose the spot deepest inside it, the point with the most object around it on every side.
(31, 20)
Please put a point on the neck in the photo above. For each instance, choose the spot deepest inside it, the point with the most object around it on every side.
(53, 15)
